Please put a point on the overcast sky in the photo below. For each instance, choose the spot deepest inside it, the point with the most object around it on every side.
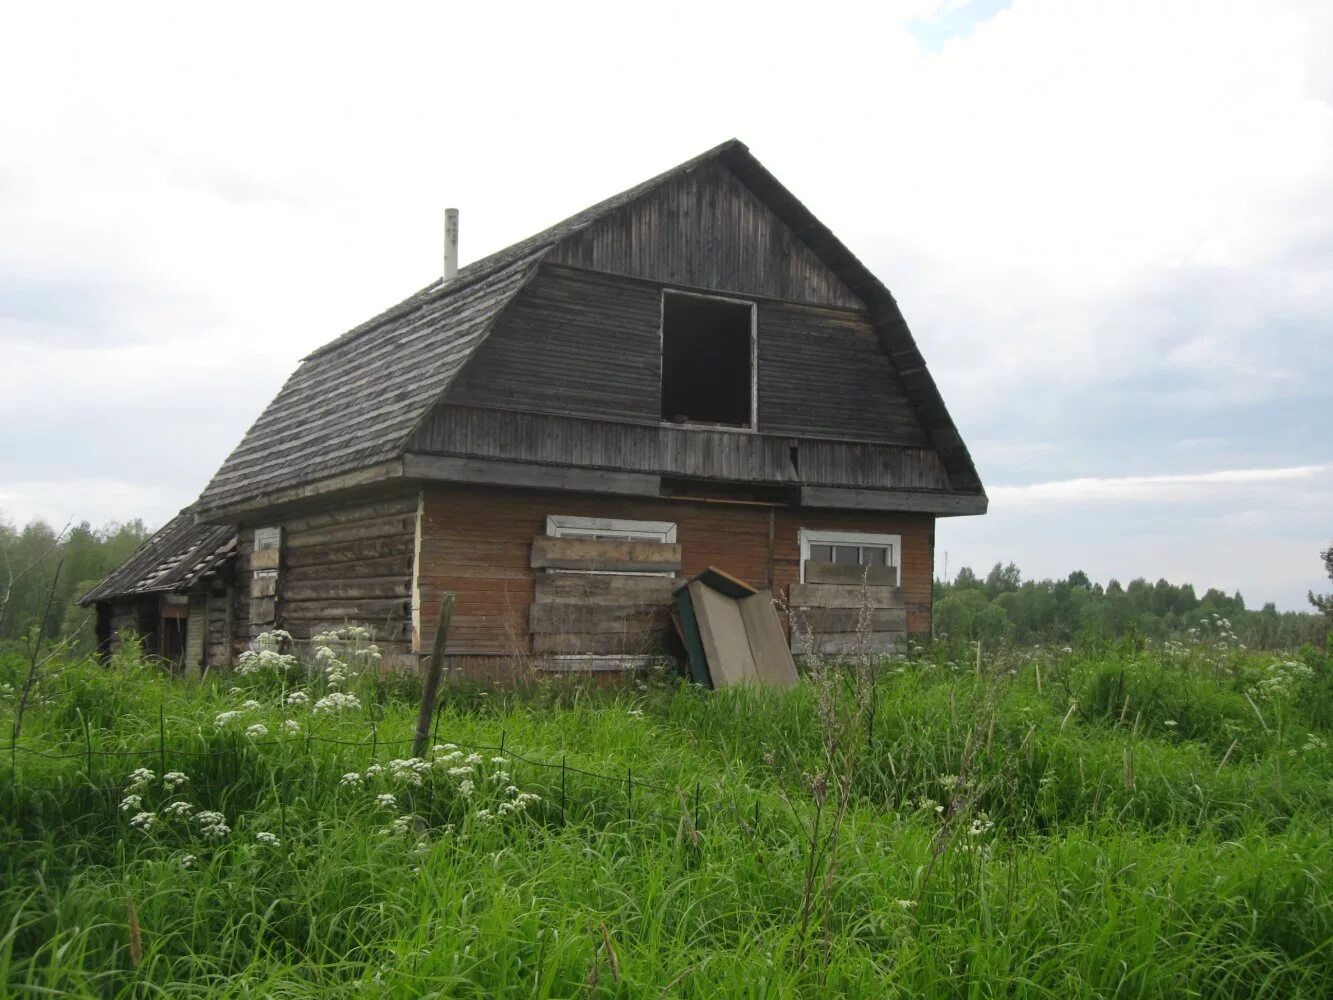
(1110, 227)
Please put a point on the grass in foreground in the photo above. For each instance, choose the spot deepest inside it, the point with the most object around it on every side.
(1126, 823)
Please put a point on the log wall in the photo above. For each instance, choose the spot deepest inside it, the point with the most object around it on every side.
(346, 565)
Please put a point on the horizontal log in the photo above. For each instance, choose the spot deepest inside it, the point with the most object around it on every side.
(603, 588)
(365, 612)
(529, 474)
(340, 552)
(849, 619)
(395, 565)
(385, 527)
(611, 556)
(266, 559)
(832, 595)
(380, 631)
(629, 619)
(386, 587)
(347, 515)
(874, 576)
(579, 642)
(848, 644)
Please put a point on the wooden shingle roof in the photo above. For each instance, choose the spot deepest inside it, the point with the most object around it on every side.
(171, 560)
(355, 401)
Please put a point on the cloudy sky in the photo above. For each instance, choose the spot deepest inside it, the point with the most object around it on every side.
(1110, 226)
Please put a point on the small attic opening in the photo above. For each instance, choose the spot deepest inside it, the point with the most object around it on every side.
(707, 360)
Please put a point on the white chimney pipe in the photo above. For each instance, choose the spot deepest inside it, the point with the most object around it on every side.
(450, 244)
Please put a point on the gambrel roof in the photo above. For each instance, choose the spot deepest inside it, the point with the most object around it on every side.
(169, 561)
(355, 402)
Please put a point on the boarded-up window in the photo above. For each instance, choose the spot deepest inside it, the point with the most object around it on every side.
(708, 359)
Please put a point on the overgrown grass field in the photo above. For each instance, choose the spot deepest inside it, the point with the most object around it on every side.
(1120, 822)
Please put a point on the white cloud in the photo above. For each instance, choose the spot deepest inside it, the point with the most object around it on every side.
(1158, 489)
(1109, 225)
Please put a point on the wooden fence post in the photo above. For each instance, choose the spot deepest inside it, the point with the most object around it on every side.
(431, 685)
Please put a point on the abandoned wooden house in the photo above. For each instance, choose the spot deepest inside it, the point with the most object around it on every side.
(695, 372)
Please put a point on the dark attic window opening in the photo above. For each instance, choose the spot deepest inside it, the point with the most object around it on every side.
(707, 360)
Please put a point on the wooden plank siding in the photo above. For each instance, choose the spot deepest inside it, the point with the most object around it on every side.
(692, 452)
(578, 343)
(705, 228)
(477, 542)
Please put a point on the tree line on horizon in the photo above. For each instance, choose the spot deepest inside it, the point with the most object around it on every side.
(44, 571)
(1003, 607)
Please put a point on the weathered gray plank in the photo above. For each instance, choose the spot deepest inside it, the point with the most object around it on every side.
(874, 576)
(832, 595)
(905, 500)
(535, 475)
(613, 643)
(594, 554)
(848, 619)
(600, 619)
(848, 644)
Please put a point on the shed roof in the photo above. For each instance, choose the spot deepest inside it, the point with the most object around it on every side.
(172, 559)
(355, 401)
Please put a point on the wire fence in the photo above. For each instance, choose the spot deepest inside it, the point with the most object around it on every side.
(626, 783)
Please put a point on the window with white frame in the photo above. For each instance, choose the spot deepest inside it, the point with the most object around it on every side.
(612, 529)
(849, 548)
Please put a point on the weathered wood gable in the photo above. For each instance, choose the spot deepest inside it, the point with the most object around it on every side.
(704, 228)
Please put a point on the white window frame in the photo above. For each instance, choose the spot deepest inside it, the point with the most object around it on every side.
(268, 538)
(819, 536)
(753, 426)
(568, 526)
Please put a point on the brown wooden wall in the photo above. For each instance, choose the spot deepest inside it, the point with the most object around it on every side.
(706, 228)
(477, 542)
(584, 344)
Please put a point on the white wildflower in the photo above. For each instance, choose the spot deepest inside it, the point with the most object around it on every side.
(224, 719)
(499, 776)
(139, 778)
(460, 771)
(212, 825)
(337, 702)
(374, 769)
(267, 839)
(172, 780)
(131, 802)
(499, 760)
(1170, 723)
(466, 788)
(290, 726)
(386, 800)
(143, 821)
(251, 704)
(257, 730)
(351, 779)
(298, 698)
(484, 815)
(473, 758)
(178, 808)
(188, 860)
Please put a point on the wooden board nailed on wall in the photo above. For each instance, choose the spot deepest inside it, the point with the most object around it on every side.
(607, 556)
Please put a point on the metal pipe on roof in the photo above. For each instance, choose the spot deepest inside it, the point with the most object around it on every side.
(450, 244)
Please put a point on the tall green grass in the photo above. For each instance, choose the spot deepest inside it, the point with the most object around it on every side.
(1146, 824)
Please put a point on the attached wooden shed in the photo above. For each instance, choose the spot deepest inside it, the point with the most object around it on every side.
(695, 372)
(176, 592)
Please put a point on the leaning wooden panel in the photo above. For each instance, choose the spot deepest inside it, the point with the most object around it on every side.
(594, 554)
(722, 631)
(832, 595)
(846, 644)
(849, 619)
(768, 645)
